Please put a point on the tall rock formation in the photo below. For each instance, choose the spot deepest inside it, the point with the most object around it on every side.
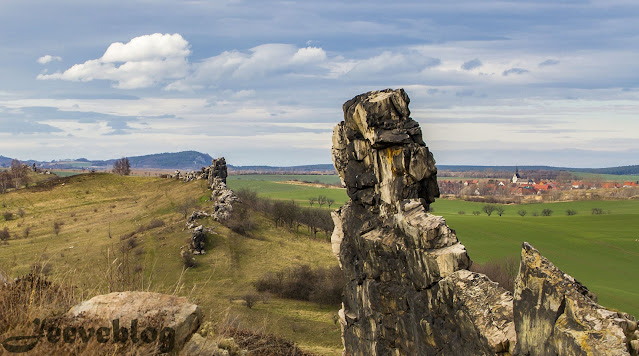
(408, 289)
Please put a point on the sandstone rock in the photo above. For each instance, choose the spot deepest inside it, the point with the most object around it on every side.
(407, 291)
(556, 315)
(149, 309)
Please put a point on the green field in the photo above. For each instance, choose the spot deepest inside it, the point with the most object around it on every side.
(601, 251)
(606, 177)
(273, 186)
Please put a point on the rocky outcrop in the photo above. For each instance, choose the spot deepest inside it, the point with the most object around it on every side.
(408, 289)
(217, 169)
(408, 292)
(223, 199)
(133, 316)
(556, 315)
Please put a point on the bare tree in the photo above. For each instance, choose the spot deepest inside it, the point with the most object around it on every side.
(488, 209)
(499, 210)
(312, 201)
(122, 167)
(330, 202)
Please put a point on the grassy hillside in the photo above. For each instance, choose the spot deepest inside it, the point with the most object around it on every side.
(90, 207)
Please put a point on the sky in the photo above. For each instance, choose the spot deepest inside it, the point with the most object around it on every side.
(263, 82)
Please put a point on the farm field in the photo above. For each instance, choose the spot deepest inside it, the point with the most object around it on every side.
(601, 251)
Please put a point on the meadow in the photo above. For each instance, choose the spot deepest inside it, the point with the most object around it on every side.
(601, 251)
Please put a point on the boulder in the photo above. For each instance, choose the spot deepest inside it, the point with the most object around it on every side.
(554, 314)
(173, 318)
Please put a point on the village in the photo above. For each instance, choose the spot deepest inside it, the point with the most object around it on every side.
(523, 188)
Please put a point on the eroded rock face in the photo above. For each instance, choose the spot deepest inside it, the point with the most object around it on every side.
(556, 315)
(408, 292)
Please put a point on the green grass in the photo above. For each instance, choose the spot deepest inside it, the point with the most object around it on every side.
(601, 251)
(319, 178)
(283, 191)
(606, 177)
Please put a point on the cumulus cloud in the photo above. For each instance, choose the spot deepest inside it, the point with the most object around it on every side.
(514, 71)
(472, 64)
(257, 62)
(142, 62)
(48, 58)
(549, 62)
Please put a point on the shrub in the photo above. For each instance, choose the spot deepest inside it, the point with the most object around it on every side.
(5, 234)
(500, 210)
(241, 220)
(461, 212)
(571, 212)
(535, 213)
(522, 213)
(7, 215)
(597, 211)
(476, 212)
(502, 271)
(250, 300)
(27, 230)
(155, 223)
(57, 226)
(187, 258)
(322, 285)
(546, 212)
(21, 213)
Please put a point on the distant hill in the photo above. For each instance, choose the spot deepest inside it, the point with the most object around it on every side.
(193, 160)
(176, 160)
(5, 161)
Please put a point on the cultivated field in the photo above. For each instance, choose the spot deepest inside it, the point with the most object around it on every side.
(601, 251)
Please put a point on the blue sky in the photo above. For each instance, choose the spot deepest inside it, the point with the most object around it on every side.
(263, 82)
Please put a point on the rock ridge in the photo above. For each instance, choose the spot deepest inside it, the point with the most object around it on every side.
(409, 290)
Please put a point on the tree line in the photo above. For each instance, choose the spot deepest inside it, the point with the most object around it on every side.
(289, 214)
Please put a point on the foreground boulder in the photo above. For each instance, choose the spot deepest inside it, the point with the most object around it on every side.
(173, 319)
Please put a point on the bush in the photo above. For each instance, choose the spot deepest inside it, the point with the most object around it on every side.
(187, 258)
(322, 285)
(461, 212)
(597, 211)
(522, 213)
(535, 213)
(502, 271)
(7, 215)
(241, 220)
(155, 223)
(476, 212)
(571, 212)
(27, 230)
(250, 300)
(546, 212)
(5, 234)
(57, 226)
(21, 213)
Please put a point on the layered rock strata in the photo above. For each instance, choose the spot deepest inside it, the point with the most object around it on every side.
(409, 291)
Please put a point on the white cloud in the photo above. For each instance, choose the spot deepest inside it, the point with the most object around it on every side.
(48, 58)
(142, 62)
